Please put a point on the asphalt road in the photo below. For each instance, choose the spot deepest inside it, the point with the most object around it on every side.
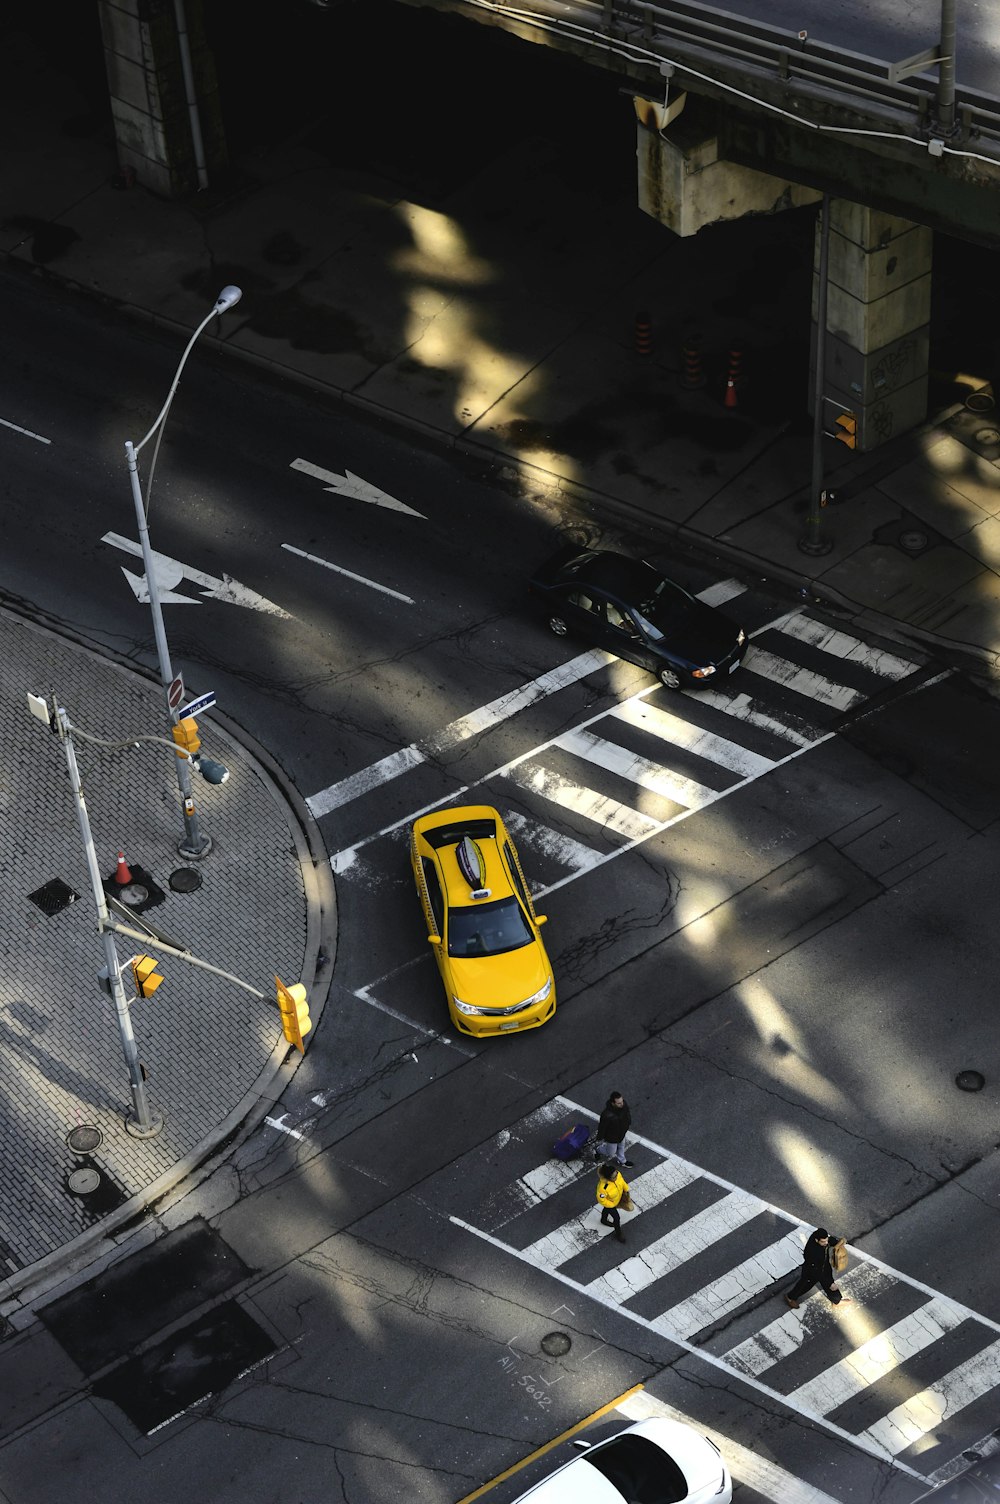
(346, 1309)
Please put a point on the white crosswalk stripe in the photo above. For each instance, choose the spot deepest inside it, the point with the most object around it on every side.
(787, 711)
(648, 775)
(851, 1352)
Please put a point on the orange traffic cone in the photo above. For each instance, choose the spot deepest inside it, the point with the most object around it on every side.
(123, 875)
(731, 393)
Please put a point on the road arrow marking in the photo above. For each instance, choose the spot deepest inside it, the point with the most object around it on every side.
(169, 572)
(352, 485)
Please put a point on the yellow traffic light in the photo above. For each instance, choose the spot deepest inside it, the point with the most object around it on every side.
(186, 736)
(847, 423)
(145, 975)
(295, 1020)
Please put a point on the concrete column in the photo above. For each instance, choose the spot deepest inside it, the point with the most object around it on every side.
(148, 99)
(878, 316)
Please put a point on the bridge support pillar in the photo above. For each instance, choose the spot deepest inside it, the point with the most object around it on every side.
(878, 316)
(156, 128)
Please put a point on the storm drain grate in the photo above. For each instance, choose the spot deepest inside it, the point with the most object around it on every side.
(52, 897)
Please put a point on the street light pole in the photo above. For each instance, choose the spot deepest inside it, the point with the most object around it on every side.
(196, 843)
(141, 1122)
(813, 540)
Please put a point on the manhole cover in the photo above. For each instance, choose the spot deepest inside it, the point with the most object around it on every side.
(556, 1344)
(83, 1182)
(53, 897)
(84, 1139)
(970, 1081)
(979, 402)
(185, 880)
(913, 540)
(133, 895)
(987, 436)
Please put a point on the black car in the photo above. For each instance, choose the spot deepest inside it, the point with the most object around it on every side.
(636, 613)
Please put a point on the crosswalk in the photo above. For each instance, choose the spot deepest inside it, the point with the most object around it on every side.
(902, 1372)
(633, 769)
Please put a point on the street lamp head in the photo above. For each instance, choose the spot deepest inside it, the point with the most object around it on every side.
(210, 770)
(228, 298)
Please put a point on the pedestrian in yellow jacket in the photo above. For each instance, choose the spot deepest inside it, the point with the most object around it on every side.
(612, 1188)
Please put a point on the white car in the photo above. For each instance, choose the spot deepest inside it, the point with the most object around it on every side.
(656, 1461)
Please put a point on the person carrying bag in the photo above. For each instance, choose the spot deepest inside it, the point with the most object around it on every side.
(613, 1192)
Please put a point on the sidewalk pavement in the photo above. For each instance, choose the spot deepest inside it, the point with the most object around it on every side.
(502, 321)
(215, 1054)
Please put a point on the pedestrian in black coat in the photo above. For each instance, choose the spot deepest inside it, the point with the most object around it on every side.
(616, 1120)
(817, 1270)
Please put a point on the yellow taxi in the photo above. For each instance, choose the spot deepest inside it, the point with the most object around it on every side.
(481, 922)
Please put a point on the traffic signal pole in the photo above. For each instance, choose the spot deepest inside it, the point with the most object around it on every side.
(813, 542)
(141, 1122)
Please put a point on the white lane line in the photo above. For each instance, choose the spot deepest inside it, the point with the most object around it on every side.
(910, 1422)
(283, 1126)
(630, 823)
(743, 708)
(547, 842)
(709, 1226)
(725, 590)
(349, 574)
(802, 680)
(648, 775)
(680, 733)
(751, 1468)
(852, 649)
(878, 1356)
(26, 431)
(458, 731)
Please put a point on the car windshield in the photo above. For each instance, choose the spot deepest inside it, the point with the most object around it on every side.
(486, 929)
(641, 1471)
(664, 610)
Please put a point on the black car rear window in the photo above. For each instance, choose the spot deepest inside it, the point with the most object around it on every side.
(641, 1471)
(450, 835)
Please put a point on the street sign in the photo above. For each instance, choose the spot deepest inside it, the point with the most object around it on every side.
(195, 707)
(175, 693)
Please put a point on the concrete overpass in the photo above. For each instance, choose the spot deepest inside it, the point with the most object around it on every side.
(740, 114)
(736, 114)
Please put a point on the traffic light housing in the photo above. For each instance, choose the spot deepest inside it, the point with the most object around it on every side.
(294, 1005)
(145, 975)
(186, 736)
(847, 426)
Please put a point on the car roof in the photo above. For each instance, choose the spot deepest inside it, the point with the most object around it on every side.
(443, 831)
(578, 1482)
(615, 573)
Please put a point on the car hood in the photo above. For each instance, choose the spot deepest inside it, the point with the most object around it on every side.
(702, 634)
(500, 981)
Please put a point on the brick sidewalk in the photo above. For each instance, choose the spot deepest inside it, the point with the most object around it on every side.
(208, 1046)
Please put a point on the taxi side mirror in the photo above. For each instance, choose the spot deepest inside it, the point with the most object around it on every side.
(433, 939)
(541, 919)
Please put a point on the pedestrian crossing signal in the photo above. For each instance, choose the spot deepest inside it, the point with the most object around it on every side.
(294, 1005)
(847, 426)
(146, 975)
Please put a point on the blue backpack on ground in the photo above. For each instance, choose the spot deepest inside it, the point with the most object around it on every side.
(572, 1142)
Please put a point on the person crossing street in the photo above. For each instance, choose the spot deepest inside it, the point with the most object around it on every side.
(612, 1191)
(817, 1269)
(616, 1120)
